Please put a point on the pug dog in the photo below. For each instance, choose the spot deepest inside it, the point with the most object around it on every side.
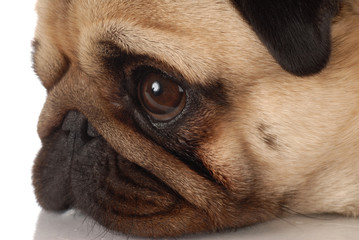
(166, 118)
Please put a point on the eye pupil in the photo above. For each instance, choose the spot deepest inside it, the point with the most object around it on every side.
(161, 97)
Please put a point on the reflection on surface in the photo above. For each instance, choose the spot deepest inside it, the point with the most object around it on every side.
(74, 226)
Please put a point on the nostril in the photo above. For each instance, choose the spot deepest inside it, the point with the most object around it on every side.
(91, 131)
(75, 122)
(79, 131)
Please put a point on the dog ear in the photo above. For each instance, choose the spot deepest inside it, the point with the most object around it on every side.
(296, 32)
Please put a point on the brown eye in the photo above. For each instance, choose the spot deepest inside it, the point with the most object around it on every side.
(162, 98)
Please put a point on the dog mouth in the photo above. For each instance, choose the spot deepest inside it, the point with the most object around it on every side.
(77, 168)
(154, 196)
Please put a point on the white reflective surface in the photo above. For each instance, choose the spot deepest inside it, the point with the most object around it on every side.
(74, 226)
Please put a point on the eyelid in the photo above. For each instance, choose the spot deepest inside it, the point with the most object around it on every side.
(142, 70)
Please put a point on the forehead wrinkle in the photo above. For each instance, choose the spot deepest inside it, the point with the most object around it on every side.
(177, 49)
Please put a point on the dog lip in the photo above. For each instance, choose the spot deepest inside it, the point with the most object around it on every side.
(123, 189)
(132, 191)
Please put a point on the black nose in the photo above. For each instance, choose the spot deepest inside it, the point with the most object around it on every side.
(79, 129)
(52, 169)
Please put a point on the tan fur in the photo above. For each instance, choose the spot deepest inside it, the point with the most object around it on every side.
(288, 142)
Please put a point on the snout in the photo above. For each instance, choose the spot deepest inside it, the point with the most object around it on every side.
(77, 168)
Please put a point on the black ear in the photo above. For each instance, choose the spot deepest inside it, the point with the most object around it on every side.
(296, 32)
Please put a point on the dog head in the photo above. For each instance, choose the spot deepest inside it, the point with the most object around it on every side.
(173, 117)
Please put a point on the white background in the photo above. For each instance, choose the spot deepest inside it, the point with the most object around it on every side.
(21, 100)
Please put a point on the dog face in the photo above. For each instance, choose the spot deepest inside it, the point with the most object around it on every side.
(172, 117)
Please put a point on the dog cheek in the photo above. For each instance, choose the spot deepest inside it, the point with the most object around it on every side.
(224, 156)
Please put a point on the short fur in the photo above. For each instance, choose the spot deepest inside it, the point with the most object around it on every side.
(254, 141)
